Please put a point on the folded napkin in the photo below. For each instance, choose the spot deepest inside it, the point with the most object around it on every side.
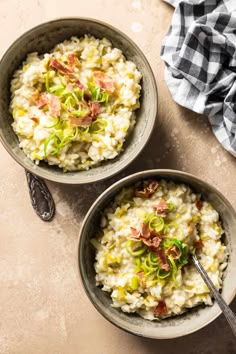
(200, 55)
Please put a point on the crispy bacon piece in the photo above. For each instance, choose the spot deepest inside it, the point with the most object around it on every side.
(199, 204)
(80, 84)
(174, 252)
(161, 309)
(198, 244)
(35, 119)
(54, 106)
(81, 121)
(141, 233)
(86, 120)
(94, 109)
(153, 243)
(161, 208)
(156, 242)
(162, 260)
(41, 100)
(135, 232)
(147, 189)
(104, 81)
(144, 231)
(58, 66)
(72, 59)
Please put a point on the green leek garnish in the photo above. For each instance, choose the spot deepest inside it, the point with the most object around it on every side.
(47, 76)
(56, 88)
(154, 222)
(68, 101)
(59, 143)
(69, 138)
(153, 260)
(50, 138)
(75, 97)
(97, 93)
(79, 113)
(74, 104)
(183, 248)
(162, 274)
(148, 262)
(98, 126)
(135, 248)
(173, 265)
(137, 268)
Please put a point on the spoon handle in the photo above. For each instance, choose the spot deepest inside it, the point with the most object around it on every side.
(229, 315)
(41, 198)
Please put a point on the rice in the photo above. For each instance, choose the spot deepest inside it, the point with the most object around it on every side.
(77, 113)
(181, 222)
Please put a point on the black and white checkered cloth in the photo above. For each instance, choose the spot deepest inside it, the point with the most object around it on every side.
(200, 55)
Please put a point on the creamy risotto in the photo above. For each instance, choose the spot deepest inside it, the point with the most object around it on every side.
(142, 251)
(75, 106)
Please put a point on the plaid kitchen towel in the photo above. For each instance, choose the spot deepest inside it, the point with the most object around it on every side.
(200, 55)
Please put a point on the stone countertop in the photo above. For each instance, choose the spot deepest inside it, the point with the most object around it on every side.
(42, 304)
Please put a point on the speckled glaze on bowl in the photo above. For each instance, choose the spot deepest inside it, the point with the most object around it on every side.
(178, 326)
(42, 39)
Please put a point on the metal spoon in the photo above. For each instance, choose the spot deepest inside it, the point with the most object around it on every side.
(41, 198)
(229, 315)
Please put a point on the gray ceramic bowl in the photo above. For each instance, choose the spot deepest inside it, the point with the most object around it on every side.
(42, 39)
(194, 319)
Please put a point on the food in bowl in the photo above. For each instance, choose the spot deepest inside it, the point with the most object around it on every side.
(142, 250)
(75, 106)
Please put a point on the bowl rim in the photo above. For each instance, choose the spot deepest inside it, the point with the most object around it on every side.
(123, 182)
(63, 177)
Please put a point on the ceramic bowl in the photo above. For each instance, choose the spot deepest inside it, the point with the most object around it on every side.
(42, 39)
(181, 325)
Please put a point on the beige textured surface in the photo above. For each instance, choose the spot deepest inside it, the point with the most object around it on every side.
(43, 307)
